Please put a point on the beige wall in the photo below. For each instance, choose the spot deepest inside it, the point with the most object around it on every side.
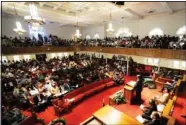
(19, 57)
(168, 23)
(169, 63)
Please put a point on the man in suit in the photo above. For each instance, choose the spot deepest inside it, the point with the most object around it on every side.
(155, 120)
(139, 87)
(148, 110)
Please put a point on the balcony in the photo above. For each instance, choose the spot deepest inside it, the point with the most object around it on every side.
(156, 53)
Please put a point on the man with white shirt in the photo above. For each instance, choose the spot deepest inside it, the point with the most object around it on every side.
(164, 97)
(48, 84)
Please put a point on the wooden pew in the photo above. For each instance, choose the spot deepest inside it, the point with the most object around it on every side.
(171, 121)
(177, 87)
(184, 78)
(167, 119)
(160, 81)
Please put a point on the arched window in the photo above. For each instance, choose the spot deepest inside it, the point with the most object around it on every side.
(27, 57)
(87, 36)
(16, 58)
(184, 64)
(53, 55)
(153, 61)
(4, 58)
(60, 54)
(156, 31)
(181, 31)
(96, 36)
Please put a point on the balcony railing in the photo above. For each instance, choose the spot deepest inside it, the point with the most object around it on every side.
(156, 53)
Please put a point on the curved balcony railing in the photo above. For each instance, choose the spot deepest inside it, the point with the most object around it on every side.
(156, 53)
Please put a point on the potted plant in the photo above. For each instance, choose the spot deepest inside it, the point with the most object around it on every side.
(119, 98)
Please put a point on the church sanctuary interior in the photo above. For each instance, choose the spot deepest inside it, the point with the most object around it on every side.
(93, 63)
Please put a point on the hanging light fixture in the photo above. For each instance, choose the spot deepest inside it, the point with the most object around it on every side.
(19, 28)
(110, 28)
(33, 18)
(78, 34)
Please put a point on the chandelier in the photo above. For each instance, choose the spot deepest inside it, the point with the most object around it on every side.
(19, 28)
(78, 34)
(33, 18)
(110, 28)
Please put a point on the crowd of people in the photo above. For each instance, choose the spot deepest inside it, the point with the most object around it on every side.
(162, 42)
(33, 83)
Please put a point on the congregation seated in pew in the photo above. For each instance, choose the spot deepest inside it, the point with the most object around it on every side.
(36, 82)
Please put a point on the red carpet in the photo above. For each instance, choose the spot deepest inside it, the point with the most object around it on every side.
(87, 107)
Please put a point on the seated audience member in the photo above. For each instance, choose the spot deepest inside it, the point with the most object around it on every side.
(32, 90)
(48, 85)
(67, 86)
(16, 91)
(38, 99)
(169, 85)
(39, 102)
(169, 75)
(40, 87)
(121, 77)
(124, 69)
(147, 111)
(46, 94)
(55, 90)
(118, 78)
(154, 121)
(164, 97)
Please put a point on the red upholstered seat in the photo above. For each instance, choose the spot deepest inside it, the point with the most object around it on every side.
(66, 104)
(63, 104)
(78, 98)
(99, 88)
(109, 84)
(54, 101)
(58, 110)
(86, 90)
(90, 92)
(73, 93)
(107, 80)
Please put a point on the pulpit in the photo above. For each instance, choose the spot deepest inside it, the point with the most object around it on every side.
(129, 91)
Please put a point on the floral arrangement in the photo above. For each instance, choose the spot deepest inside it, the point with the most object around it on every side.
(119, 98)
(58, 121)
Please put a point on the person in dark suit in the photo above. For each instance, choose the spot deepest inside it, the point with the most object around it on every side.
(155, 120)
(148, 110)
(139, 87)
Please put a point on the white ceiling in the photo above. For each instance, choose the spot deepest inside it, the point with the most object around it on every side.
(92, 13)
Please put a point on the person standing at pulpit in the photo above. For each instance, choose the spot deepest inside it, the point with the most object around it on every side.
(139, 87)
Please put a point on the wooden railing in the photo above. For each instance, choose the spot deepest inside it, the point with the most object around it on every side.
(156, 53)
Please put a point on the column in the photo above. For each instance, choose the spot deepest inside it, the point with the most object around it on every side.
(127, 65)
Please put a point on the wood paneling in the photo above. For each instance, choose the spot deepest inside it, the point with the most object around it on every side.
(156, 53)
